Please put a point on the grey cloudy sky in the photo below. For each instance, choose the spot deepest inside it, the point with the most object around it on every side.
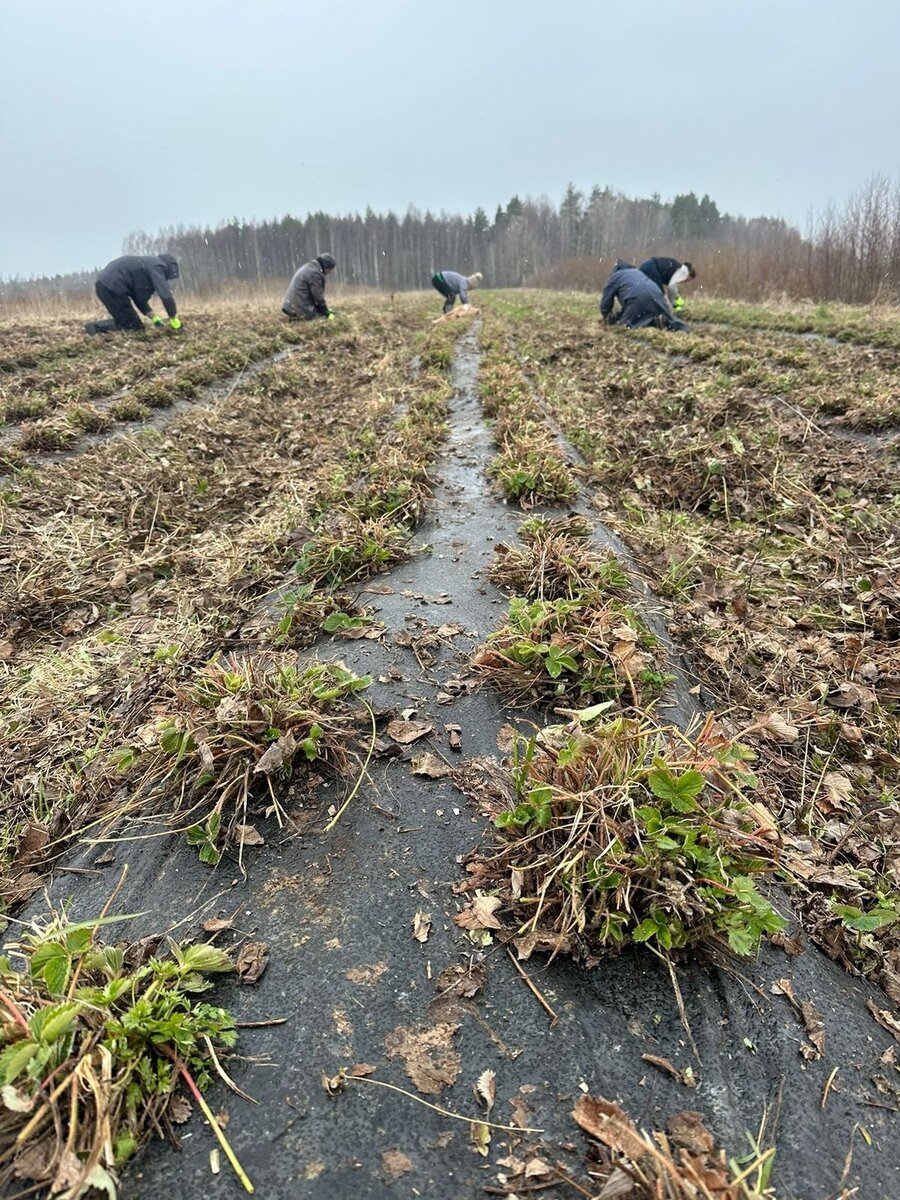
(117, 116)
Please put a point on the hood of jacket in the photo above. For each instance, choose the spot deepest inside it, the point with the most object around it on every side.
(622, 265)
(170, 265)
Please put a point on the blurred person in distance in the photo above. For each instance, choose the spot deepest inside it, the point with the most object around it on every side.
(305, 298)
(124, 288)
(451, 284)
(641, 301)
(667, 274)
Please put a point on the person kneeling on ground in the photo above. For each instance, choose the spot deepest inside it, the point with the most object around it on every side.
(126, 284)
(305, 298)
(667, 273)
(450, 284)
(642, 302)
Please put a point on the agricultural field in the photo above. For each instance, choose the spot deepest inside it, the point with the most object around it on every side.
(452, 760)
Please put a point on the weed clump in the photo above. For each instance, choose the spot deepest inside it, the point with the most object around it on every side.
(305, 613)
(556, 561)
(129, 409)
(237, 736)
(48, 436)
(349, 546)
(88, 418)
(586, 649)
(25, 408)
(533, 474)
(626, 834)
(95, 1041)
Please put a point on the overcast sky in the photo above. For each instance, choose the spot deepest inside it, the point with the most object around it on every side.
(120, 116)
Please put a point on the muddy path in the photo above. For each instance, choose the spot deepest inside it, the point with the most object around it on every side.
(337, 911)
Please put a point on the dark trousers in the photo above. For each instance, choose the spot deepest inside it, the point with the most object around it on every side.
(119, 308)
(439, 284)
(301, 316)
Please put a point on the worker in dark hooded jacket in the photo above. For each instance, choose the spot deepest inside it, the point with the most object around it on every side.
(124, 288)
(668, 273)
(642, 302)
(305, 298)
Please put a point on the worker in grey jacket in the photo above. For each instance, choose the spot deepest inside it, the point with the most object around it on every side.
(124, 288)
(305, 298)
(451, 284)
(642, 302)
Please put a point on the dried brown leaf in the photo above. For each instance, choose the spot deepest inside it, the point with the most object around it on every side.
(361, 1070)
(405, 732)
(421, 925)
(885, 1018)
(217, 924)
(430, 766)
(687, 1078)
(179, 1110)
(609, 1124)
(687, 1130)
(277, 755)
(252, 960)
(249, 835)
(836, 793)
(479, 913)
(813, 1020)
(506, 739)
(776, 727)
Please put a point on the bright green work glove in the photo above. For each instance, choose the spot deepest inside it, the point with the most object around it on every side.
(330, 316)
(158, 321)
(175, 322)
(679, 303)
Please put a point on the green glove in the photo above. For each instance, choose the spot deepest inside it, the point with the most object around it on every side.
(679, 303)
(175, 322)
(157, 321)
(330, 316)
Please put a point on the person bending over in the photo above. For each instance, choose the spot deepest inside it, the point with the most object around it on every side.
(667, 274)
(641, 300)
(125, 286)
(305, 298)
(451, 284)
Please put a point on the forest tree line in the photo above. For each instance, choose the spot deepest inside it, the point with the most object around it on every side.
(850, 253)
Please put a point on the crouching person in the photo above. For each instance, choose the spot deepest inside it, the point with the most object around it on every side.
(641, 301)
(668, 273)
(305, 298)
(124, 288)
(451, 284)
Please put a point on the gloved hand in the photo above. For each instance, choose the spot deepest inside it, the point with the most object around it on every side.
(157, 321)
(330, 316)
(679, 304)
(175, 323)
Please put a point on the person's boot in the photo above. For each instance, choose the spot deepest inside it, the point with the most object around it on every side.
(99, 327)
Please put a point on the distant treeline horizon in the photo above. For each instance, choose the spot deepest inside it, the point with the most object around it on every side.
(851, 253)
